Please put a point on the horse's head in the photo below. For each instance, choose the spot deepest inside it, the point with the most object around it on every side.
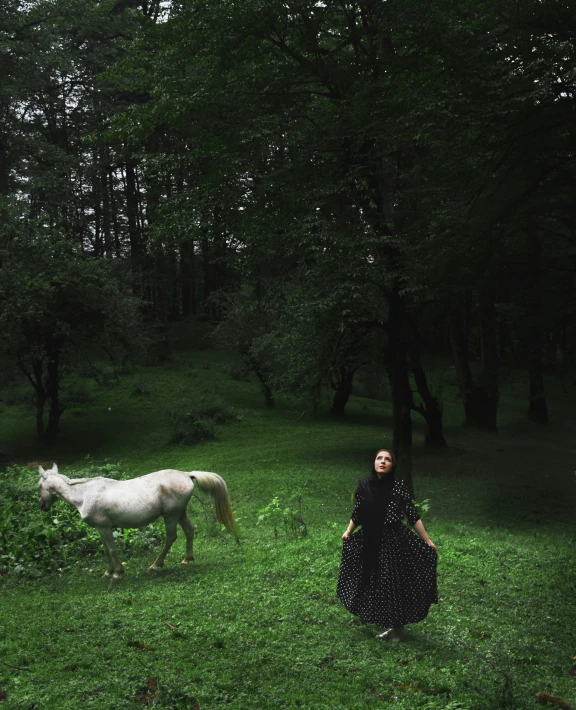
(47, 496)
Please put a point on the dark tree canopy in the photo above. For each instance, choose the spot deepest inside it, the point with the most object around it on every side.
(337, 184)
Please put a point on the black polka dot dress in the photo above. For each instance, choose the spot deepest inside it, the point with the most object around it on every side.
(401, 585)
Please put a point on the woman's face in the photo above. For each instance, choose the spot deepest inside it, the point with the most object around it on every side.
(383, 463)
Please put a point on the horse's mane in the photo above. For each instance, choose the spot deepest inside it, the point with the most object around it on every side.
(75, 481)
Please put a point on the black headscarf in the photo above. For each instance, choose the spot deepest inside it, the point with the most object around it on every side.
(376, 495)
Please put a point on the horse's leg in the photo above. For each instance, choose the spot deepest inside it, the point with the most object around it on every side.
(115, 568)
(171, 535)
(188, 528)
(110, 570)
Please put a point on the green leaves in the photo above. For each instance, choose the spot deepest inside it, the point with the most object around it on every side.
(57, 306)
(284, 511)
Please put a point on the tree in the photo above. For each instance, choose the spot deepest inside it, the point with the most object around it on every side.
(58, 306)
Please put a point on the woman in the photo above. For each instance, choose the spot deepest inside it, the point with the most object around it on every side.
(387, 574)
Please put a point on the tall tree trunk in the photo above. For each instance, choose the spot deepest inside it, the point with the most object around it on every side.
(487, 390)
(97, 242)
(206, 274)
(343, 390)
(268, 393)
(41, 398)
(4, 174)
(4, 170)
(36, 379)
(431, 406)
(134, 235)
(480, 396)
(173, 285)
(114, 213)
(53, 391)
(187, 280)
(106, 229)
(431, 410)
(397, 367)
(263, 377)
(537, 407)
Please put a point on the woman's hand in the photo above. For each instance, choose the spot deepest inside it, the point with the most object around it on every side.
(423, 535)
(349, 530)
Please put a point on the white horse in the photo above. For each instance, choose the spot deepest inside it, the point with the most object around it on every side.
(105, 503)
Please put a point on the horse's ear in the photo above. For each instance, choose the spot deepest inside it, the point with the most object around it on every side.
(54, 468)
(41, 471)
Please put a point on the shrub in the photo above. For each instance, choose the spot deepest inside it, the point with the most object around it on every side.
(192, 423)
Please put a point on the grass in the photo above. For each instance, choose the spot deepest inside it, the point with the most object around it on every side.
(258, 626)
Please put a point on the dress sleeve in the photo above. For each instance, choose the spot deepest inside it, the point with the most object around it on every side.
(409, 508)
(356, 517)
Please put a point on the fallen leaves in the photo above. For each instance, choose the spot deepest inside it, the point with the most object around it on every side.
(138, 644)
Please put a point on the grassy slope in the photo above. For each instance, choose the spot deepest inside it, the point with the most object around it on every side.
(257, 626)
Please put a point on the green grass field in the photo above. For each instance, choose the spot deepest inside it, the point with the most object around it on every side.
(258, 625)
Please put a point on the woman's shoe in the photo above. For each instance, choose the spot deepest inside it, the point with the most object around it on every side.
(395, 634)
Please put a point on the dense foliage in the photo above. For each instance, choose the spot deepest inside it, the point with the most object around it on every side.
(338, 185)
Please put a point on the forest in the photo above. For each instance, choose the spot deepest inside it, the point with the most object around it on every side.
(279, 229)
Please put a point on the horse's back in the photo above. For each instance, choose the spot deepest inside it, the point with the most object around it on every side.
(169, 477)
(138, 501)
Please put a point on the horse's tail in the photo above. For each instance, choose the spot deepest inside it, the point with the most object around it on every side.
(215, 485)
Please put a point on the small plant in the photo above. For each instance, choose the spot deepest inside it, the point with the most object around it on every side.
(287, 515)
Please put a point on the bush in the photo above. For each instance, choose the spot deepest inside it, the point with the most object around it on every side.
(192, 423)
(33, 542)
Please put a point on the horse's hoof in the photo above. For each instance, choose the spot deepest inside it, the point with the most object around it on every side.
(118, 575)
(152, 569)
(107, 575)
